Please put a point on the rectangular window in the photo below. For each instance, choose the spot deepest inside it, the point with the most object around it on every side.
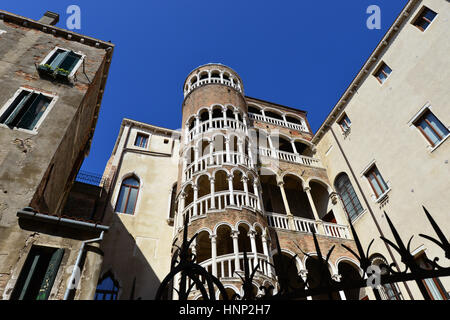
(38, 274)
(141, 140)
(434, 286)
(61, 62)
(345, 123)
(376, 181)
(383, 72)
(26, 110)
(424, 19)
(432, 129)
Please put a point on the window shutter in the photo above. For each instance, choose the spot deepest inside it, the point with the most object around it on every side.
(50, 275)
(10, 119)
(61, 55)
(70, 60)
(34, 112)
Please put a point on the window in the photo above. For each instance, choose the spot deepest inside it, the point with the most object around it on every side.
(389, 291)
(349, 198)
(383, 72)
(128, 194)
(107, 288)
(61, 61)
(432, 129)
(27, 108)
(376, 181)
(345, 123)
(141, 140)
(433, 285)
(38, 274)
(424, 19)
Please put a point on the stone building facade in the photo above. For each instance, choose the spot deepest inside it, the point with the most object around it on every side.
(247, 172)
(52, 83)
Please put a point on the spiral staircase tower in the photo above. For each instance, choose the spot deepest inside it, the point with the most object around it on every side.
(218, 185)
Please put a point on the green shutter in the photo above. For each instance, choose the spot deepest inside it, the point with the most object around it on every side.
(61, 55)
(70, 60)
(10, 120)
(50, 275)
(34, 112)
(29, 276)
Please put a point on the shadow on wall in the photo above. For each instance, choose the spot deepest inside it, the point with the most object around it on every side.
(126, 262)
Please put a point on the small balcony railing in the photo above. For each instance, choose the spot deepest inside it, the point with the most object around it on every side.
(213, 80)
(217, 123)
(221, 201)
(277, 122)
(217, 159)
(281, 221)
(226, 265)
(290, 157)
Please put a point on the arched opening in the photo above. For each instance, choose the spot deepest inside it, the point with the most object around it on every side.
(190, 155)
(203, 75)
(226, 76)
(204, 115)
(289, 276)
(234, 143)
(221, 181)
(258, 240)
(204, 148)
(317, 273)
(107, 288)
(217, 112)
(215, 74)
(271, 194)
(230, 114)
(303, 149)
(203, 247)
(297, 198)
(244, 239)
(283, 144)
(272, 114)
(251, 184)
(128, 194)
(238, 184)
(348, 195)
(254, 110)
(191, 123)
(320, 197)
(204, 186)
(194, 80)
(349, 274)
(189, 191)
(219, 143)
(230, 294)
(293, 120)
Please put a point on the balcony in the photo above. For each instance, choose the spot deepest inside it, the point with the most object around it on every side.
(217, 159)
(281, 221)
(226, 265)
(278, 122)
(290, 157)
(220, 201)
(217, 123)
(211, 80)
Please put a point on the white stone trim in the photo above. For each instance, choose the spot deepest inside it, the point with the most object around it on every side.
(74, 70)
(44, 115)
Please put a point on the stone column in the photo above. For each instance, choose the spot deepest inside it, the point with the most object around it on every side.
(225, 123)
(227, 148)
(235, 236)
(230, 189)
(241, 152)
(213, 254)
(304, 274)
(252, 235)
(314, 210)
(195, 188)
(337, 278)
(210, 112)
(258, 194)
(213, 195)
(181, 205)
(196, 158)
(266, 253)
(247, 197)
(197, 124)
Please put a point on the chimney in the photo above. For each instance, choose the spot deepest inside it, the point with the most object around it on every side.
(50, 18)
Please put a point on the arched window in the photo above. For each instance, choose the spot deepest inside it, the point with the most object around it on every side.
(126, 203)
(348, 195)
(107, 288)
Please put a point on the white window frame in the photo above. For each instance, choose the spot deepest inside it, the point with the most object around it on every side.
(74, 70)
(413, 121)
(372, 193)
(44, 115)
(421, 10)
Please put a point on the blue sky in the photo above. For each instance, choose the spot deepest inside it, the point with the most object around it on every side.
(302, 54)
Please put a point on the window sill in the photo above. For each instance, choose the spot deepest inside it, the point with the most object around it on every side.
(359, 216)
(33, 132)
(440, 142)
(383, 197)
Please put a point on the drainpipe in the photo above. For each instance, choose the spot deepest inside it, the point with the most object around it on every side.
(77, 263)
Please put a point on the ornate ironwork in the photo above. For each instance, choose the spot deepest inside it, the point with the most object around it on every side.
(298, 288)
